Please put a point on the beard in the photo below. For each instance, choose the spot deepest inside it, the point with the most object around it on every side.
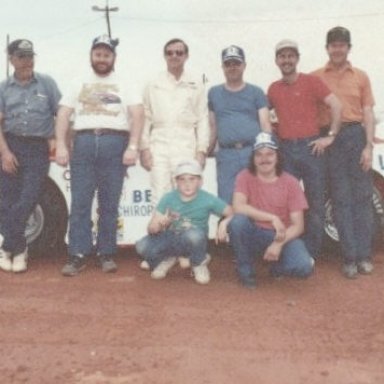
(102, 68)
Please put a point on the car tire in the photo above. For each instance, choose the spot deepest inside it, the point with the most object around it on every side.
(47, 225)
(331, 242)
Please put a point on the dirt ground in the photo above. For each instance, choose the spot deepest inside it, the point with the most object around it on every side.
(126, 328)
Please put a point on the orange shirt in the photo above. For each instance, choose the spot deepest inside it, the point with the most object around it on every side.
(352, 87)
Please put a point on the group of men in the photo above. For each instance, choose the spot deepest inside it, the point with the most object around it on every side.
(324, 132)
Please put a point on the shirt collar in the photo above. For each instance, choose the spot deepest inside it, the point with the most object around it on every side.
(13, 80)
(330, 68)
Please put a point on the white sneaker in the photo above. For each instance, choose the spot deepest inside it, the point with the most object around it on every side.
(162, 269)
(20, 262)
(144, 265)
(184, 262)
(5, 260)
(201, 272)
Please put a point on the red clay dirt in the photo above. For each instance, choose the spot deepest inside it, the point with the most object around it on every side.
(126, 328)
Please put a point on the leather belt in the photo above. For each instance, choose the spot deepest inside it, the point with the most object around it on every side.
(344, 124)
(30, 139)
(349, 123)
(237, 145)
(102, 131)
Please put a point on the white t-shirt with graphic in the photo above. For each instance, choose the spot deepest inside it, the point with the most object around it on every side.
(101, 102)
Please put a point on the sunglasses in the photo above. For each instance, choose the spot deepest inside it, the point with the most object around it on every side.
(173, 53)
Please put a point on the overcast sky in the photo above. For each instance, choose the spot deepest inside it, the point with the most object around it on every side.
(63, 30)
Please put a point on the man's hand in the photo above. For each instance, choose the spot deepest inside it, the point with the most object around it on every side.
(366, 158)
(62, 154)
(9, 162)
(272, 253)
(200, 157)
(130, 156)
(146, 159)
(222, 231)
(319, 145)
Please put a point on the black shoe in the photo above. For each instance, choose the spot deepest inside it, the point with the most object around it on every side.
(74, 266)
(107, 264)
(248, 282)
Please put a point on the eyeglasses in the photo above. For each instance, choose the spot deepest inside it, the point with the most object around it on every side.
(173, 53)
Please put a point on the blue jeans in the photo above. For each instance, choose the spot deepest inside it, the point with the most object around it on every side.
(229, 162)
(96, 164)
(311, 169)
(20, 192)
(191, 243)
(249, 240)
(351, 194)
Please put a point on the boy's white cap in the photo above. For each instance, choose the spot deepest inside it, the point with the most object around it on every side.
(190, 167)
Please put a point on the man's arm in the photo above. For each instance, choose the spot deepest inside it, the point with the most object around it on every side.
(369, 126)
(145, 151)
(213, 132)
(202, 126)
(240, 205)
(136, 114)
(265, 120)
(294, 230)
(222, 232)
(334, 104)
(9, 161)
(61, 131)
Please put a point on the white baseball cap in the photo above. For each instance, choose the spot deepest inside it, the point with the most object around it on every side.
(190, 167)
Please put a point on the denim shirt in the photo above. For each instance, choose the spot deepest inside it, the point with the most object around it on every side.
(29, 110)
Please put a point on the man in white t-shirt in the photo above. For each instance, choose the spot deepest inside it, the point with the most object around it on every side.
(108, 119)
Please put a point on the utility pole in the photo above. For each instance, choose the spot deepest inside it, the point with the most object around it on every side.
(106, 10)
(6, 56)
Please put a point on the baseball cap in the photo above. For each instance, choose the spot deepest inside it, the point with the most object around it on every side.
(21, 47)
(286, 43)
(105, 40)
(190, 167)
(233, 52)
(339, 34)
(265, 140)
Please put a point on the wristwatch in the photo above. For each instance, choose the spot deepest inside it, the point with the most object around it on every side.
(331, 133)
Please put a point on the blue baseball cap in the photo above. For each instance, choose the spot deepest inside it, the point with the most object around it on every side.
(265, 140)
(233, 52)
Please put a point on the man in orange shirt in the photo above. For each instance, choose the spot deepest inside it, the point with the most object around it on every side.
(350, 155)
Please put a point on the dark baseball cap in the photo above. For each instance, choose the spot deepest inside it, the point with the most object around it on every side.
(21, 47)
(233, 52)
(339, 34)
(106, 41)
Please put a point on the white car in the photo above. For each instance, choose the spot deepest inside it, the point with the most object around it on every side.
(47, 226)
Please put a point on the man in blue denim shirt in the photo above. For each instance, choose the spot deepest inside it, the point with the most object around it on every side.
(28, 103)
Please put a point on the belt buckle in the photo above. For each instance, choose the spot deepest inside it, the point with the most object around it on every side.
(238, 145)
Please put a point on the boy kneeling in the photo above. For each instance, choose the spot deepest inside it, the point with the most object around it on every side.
(179, 225)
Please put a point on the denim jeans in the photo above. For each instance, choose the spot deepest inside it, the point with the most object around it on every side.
(311, 169)
(351, 194)
(96, 164)
(191, 243)
(249, 240)
(229, 162)
(20, 191)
